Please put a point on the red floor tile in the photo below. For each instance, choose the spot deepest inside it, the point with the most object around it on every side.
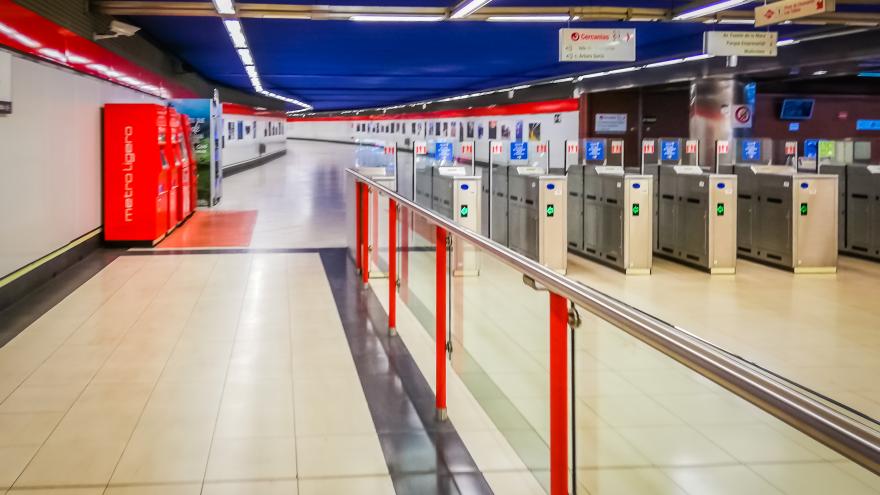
(207, 229)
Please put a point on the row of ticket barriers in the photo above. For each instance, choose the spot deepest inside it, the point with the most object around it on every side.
(764, 200)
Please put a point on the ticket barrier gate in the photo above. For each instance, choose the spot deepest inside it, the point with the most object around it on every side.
(786, 218)
(694, 211)
(506, 158)
(858, 195)
(616, 221)
(537, 216)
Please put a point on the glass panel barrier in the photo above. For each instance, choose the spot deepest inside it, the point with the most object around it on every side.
(416, 268)
(646, 424)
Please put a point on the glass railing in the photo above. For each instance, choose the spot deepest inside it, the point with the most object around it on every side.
(555, 387)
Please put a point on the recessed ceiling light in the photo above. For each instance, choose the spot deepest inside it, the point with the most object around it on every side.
(820, 72)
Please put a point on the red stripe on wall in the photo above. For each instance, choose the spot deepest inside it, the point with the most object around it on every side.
(236, 109)
(27, 32)
(551, 106)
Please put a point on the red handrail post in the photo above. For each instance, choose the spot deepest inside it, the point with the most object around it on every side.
(392, 266)
(359, 235)
(440, 330)
(365, 234)
(558, 395)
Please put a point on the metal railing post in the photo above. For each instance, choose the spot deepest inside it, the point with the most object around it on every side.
(392, 266)
(440, 330)
(558, 395)
(359, 234)
(365, 236)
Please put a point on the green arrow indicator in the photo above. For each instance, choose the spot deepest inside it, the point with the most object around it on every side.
(719, 210)
(804, 209)
(463, 211)
(636, 209)
(551, 210)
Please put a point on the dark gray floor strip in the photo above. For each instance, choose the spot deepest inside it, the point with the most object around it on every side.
(423, 456)
(166, 252)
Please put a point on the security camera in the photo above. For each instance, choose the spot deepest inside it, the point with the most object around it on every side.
(117, 29)
(123, 29)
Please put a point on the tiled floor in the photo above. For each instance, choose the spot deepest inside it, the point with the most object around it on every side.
(209, 228)
(167, 374)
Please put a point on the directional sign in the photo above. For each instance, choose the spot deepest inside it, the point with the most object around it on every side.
(670, 150)
(594, 150)
(519, 150)
(596, 45)
(751, 150)
(784, 10)
(740, 43)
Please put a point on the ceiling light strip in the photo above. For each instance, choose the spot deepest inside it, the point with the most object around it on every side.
(710, 9)
(467, 8)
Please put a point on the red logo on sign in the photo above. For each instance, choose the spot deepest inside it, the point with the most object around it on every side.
(541, 148)
(742, 115)
(723, 147)
(690, 147)
(616, 147)
(790, 148)
(648, 147)
(820, 4)
(571, 148)
(496, 148)
(389, 150)
(574, 36)
(467, 148)
(769, 14)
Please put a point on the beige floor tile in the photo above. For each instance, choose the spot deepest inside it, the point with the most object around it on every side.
(121, 398)
(861, 474)
(756, 443)
(604, 447)
(165, 453)
(353, 455)
(156, 489)
(77, 462)
(42, 398)
(26, 428)
(372, 485)
(641, 481)
(630, 410)
(721, 480)
(250, 420)
(710, 409)
(277, 487)
(675, 446)
(57, 491)
(252, 459)
(812, 479)
(13, 461)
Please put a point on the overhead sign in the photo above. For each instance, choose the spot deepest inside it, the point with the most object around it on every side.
(784, 10)
(741, 116)
(597, 45)
(740, 43)
(670, 150)
(519, 150)
(751, 150)
(594, 149)
(5, 83)
(610, 123)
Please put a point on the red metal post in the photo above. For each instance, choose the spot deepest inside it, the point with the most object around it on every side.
(392, 265)
(365, 234)
(440, 330)
(359, 234)
(558, 395)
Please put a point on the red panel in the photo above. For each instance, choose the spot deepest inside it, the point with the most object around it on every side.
(551, 106)
(558, 395)
(27, 32)
(440, 316)
(135, 176)
(236, 109)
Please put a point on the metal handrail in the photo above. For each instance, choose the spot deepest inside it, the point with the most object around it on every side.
(837, 431)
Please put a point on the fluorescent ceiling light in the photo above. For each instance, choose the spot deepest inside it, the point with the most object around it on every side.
(224, 6)
(396, 18)
(251, 70)
(665, 63)
(820, 72)
(590, 76)
(786, 42)
(234, 28)
(710, 9)
(694, 58)
(737, 21)
(466, 8)
(623, 70)
(246, 57)
(529, 18)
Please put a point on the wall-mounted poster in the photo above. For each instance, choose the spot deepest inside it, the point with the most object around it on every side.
(240, 130)
(534, 131)
(505, 132)
(470, 130)
(446, 129)
(610, 123)
(452, 127)
(493, 129)
(430, 128)
(519, 130)
(480, 130)
(460, 131)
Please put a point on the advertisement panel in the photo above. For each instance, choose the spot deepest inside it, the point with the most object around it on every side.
(206, 122)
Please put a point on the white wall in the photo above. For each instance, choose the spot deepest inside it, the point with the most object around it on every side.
(256, 130)
(555, 128)
(50, 159)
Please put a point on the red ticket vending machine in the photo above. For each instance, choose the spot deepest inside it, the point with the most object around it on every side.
(172, 150)
(135, 172)
(193, 176)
